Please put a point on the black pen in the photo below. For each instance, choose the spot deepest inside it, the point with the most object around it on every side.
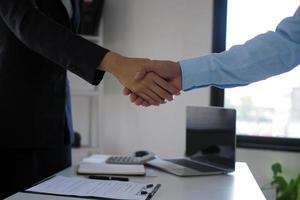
(112, 178)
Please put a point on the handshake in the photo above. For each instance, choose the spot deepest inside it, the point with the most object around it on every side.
(146, 82)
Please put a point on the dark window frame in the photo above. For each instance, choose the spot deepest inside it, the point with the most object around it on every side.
(217, 95)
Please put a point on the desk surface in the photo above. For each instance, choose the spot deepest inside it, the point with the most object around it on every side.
(234, 186)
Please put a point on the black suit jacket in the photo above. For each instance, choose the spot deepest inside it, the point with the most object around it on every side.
(37, 46)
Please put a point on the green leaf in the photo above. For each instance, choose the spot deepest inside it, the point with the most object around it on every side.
(285, 190)
(297, 187)
(276, 168)
(289, 193)
(280, 183)
(298, 183)
(292, 189)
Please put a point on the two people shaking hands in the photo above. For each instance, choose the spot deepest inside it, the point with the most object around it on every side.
(147, 82)
(268, 54)
(38, 44)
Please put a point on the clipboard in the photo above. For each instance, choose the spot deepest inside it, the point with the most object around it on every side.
(50, 182)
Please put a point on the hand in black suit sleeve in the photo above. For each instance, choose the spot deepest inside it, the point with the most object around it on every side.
(52, 40)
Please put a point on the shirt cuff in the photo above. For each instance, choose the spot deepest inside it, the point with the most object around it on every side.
(196, 73)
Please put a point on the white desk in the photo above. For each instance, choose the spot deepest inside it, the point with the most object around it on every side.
(239, 185)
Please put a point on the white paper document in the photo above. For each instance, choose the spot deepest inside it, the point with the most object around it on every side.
(83, 187)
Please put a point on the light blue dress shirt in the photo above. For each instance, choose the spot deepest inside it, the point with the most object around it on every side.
(266, 55)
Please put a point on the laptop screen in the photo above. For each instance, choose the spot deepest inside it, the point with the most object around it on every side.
(210, 135)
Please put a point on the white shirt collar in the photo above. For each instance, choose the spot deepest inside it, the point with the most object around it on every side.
(68, 6)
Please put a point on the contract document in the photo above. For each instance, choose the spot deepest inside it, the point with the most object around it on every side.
(83, 187)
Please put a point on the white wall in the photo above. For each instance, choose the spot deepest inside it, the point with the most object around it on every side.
(168, 29)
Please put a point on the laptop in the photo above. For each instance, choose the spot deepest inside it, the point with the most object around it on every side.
(210, 144)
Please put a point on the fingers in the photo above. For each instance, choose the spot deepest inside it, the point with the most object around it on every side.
(139, 101)
(161, 92)
(146, 104)
(150, 87)
(126, 91)
(154, 95)
(166, 86)
(133, 97)
(161, 87)
(148, 99)
(144, 86)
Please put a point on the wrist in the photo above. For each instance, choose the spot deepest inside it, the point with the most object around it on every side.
(111, 62)
(179, 80)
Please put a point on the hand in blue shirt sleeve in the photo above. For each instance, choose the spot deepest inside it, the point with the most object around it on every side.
(266, 55)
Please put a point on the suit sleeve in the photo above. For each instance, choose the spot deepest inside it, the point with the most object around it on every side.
(52, 40)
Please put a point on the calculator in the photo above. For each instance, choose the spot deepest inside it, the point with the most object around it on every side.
(131, 160)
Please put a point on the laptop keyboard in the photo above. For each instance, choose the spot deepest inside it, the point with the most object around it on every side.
(193, 165)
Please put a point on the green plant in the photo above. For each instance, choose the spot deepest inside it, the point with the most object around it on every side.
(285, 190)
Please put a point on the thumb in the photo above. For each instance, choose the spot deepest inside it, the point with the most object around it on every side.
(142, 72)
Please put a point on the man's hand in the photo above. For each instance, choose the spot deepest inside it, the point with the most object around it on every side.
(151, 88)
(168, 70)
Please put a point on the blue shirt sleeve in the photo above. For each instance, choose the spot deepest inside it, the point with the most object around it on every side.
(266, 55)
